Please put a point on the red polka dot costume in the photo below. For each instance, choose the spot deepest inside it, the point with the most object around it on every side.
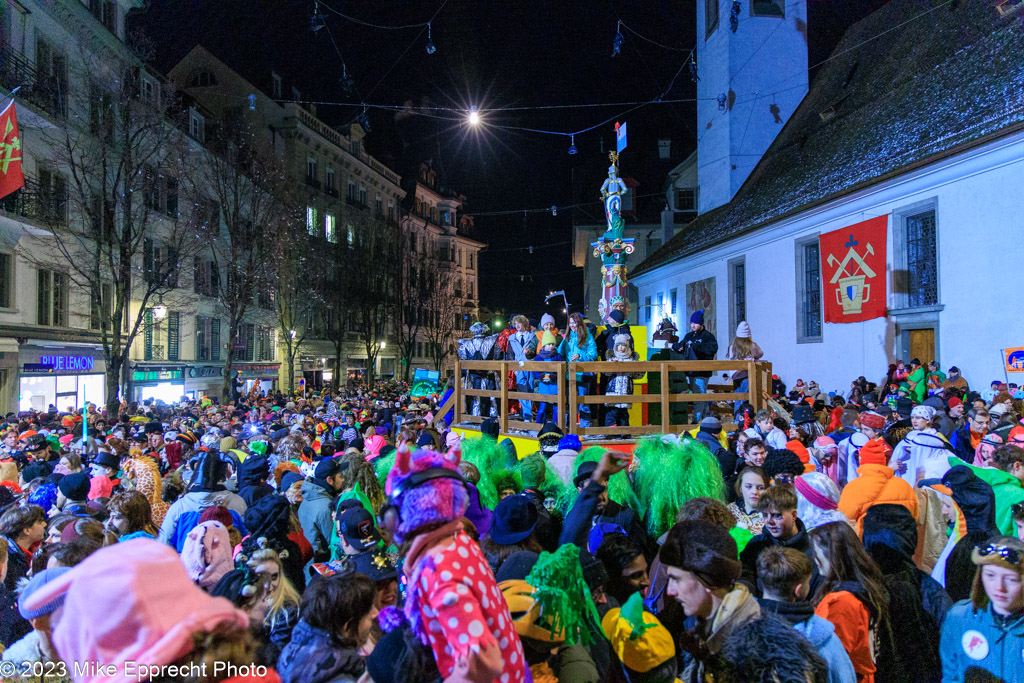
(455, 606)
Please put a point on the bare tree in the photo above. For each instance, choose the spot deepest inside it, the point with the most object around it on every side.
(241, 194)
(371, 279)
(335, 311)
(106, 194)
(298, 291)
(444, 310)
(412, 303)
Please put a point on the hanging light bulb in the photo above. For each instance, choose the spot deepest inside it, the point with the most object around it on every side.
(252, 102)
(316, 22)
(693, 69)
(572, 144)
(430, 42)
(554, 210)
(618, 40)
(474, 116)
(364, 120)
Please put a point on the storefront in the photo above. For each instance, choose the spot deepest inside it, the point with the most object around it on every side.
(159, 382)
(264, 375)
(60, 375)
(317, 372)
(204, 380)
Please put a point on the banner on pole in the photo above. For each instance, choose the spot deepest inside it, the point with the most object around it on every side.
(853, 271)
(11, 176)
(620, 137)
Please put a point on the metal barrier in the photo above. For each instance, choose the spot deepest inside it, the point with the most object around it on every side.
(567, 401)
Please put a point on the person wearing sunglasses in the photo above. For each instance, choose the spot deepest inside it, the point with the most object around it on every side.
(983, 637)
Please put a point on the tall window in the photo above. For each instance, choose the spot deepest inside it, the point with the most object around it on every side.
(196, 125)
(738, 278)
(311, 170)
(275, 85)
(52, 290)
(647, 309)
(331, 229)
(922, 269)
(673, 301)
(207, 338)
(311, 220)
(331, 187)
(710, 17)
(808, 290)
(659, 307)
(6, 280)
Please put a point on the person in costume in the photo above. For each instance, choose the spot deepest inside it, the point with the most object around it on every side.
(453, 603)
(645, 649)
(555, 618)
(479, 347)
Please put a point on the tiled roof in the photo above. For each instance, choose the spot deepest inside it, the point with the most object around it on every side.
(942, 76)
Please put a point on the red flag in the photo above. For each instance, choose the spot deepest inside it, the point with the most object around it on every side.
(853, 271)
(11, 177)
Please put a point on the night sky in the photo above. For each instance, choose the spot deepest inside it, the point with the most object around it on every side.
(527, 53)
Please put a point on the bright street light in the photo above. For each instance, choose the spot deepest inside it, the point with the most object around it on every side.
(383, 345)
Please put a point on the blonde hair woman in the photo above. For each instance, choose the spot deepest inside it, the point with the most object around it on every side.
(743, 347)
(281, 597)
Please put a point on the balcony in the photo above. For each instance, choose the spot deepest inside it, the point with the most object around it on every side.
(48, 92)
(35, 203)
(313, 182)
(353, 201)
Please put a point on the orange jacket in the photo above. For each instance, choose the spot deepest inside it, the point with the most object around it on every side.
(852, 621)
(875, 484)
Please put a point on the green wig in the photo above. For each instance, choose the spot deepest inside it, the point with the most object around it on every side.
(619, 487)
(383, 465)
(488, 457)
(563, 595)
(535, 473)
(506, 480)
(670, 472)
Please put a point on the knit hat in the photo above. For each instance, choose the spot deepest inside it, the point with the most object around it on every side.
(637, 637)
(207, 554)
(711, 425)
(547, 338)
(706, 549)
(288, 479)
(617, 317)
(743, 330)
(545, 319)
(570, 442)
(438, 500)
(157, 613)
(903, 406)
(217, 513)
(817, 500)
(514, 520)
(34, 584)
(874, 452)
(75, 486)
(954, 402)
(697, 317)
(825, 444)
(872, 420)
(782, 461)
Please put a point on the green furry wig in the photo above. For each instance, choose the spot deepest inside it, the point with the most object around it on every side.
(535, 473)
(669, 473)
(619, 487)
(489, 458)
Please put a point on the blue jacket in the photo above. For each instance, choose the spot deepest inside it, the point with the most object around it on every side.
(822, 635)
(961, 443)
(570, 347)
(972, 642)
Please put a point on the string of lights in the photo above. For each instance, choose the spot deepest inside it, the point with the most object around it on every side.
(362, 22)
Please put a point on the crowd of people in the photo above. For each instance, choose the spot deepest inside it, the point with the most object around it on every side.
(350, 536)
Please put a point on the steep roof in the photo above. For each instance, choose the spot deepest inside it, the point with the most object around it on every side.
(944, 76)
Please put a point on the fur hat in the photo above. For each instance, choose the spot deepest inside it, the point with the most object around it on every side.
(207, 554)
(1004, 551)
(437, 500)
(705, 549)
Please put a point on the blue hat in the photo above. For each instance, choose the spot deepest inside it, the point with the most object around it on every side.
(697, 317)
(288, 479)
(570, 442)
(375, 564)
(34, 584)
(514, 520)
(327, 467)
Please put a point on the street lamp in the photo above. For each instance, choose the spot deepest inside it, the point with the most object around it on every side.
(474, 116)
(383, 345)
(159, 312)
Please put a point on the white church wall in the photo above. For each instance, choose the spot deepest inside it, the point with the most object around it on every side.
(979, 224)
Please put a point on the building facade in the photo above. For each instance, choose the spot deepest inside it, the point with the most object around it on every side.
(934, 175)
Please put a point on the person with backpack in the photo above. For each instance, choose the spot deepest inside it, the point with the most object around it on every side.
(205, 490)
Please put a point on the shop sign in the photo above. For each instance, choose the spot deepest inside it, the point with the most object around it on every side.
(259, 371)
(66, 363)
(156, 375)
(205, 371)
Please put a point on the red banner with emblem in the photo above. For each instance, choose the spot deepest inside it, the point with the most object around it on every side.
(853, 271)
(11, 177)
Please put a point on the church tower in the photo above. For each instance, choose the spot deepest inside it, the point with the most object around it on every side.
(752, 63)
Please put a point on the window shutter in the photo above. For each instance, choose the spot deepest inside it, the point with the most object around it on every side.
(250, 342)
(172, 335)
(200, 322)
(148, 334)
(147, 259)
(213, 286)
(172, 197)
(215, 339)
(197, 276)
(43, 297)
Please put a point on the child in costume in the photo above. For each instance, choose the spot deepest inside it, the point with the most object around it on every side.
(453, 603)
(645, 649)
(620, 383)
(547, 382)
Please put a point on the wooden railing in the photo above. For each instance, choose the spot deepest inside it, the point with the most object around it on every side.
(567, 400)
